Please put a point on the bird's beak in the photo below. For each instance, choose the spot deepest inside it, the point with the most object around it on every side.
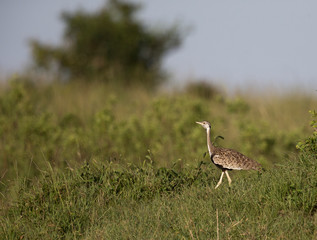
(200, 123)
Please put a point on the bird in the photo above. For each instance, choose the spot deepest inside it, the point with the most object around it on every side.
(227, 159)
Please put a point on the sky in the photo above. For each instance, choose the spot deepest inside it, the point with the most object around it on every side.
(232, 43)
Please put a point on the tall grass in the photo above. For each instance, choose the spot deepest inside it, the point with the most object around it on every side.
(95, 161)
(98, 201)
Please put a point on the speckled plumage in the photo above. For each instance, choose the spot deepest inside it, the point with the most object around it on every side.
(230, 159)
(227, 159)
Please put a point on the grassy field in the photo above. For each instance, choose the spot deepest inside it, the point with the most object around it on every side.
(95, 161)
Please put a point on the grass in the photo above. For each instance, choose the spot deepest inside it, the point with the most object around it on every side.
(99, 162)
(98, 201)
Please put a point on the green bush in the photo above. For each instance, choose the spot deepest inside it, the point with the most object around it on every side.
(203, 89)
(110, 45)
(86, 161)
(67, 201)
(67, 125)
(111, 201)
(309, 145)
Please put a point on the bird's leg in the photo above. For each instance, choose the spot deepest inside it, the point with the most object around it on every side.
(220, 180)
(229, 179)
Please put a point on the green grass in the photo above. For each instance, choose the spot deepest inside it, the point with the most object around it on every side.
(101, 201)
(93, 161)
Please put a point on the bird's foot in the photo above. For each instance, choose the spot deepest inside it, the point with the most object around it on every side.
(218, 185)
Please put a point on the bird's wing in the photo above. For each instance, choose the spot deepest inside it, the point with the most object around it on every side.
(231, 159)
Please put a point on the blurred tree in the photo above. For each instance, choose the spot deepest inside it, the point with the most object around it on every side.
(110, 45)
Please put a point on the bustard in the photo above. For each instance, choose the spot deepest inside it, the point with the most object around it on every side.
(227, 159)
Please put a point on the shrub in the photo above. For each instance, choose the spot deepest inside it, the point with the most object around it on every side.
(309, 145)
(111, 45)
(202, 89)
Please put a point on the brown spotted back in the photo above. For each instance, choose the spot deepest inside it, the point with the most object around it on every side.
(233, 160)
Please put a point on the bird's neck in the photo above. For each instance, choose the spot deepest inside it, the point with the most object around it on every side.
(210, 146)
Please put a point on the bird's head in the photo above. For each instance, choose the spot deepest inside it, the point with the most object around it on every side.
(204, 124)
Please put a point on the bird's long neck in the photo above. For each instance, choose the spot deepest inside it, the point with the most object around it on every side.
(210, 146)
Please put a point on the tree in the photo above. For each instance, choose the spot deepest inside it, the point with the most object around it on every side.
(111, 44)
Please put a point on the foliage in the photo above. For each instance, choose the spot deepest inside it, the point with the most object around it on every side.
(67, 125)
(238, 105)
(94, 161)
(109, 45)
(309, 145)
(202, 89)
(103, 201)
(58, 197)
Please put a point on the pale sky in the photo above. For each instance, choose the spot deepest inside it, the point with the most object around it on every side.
(234, 43)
